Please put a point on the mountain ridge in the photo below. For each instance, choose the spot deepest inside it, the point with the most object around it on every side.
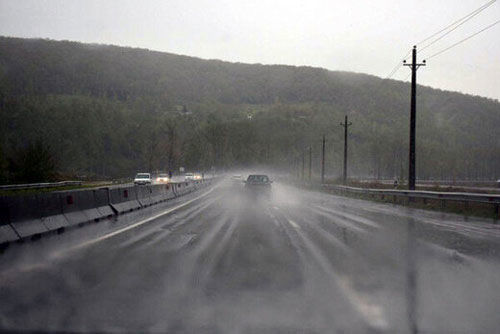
(213, 62)
(42, 80)
(227, 62)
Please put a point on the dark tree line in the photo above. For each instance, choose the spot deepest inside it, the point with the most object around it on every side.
(104, 111)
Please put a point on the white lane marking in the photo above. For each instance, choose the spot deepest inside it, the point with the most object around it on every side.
(291, 222)
(343, 214)
(273, 217)
(294, 224)
(330, 237)
(275, 221)
(139, 223)
(373, 312)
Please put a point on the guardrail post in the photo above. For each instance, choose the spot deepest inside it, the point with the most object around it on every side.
(497, 211)
(443, 203)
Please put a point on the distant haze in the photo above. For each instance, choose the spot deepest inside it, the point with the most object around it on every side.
(358, 35)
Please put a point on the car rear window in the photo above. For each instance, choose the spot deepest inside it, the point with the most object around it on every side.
(258, 178)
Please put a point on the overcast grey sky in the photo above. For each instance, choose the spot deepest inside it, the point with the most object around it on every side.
(367, 36)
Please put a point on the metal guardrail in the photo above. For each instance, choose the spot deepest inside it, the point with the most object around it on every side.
(120, 182)
(438, 195)
(424, 195)
(440, 181)
(456, 183)
(40, 185)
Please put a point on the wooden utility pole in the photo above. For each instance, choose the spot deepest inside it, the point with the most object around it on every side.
(346, 125)
(323, 162)
(303, 165)
(310, 163)
(413, 114)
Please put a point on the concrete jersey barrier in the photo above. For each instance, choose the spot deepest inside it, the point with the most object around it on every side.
(169, 192)
(82, 206)
(144, 195)
(52, 213)
(31, 215)
(161, 193)
(23, 217)
(7, 232)
(156, 194)
(182, 188)
(101, 200)
(123, 199)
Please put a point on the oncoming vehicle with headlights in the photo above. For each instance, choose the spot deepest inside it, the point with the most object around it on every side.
(142, 179)
(236, 181)
(162, 178)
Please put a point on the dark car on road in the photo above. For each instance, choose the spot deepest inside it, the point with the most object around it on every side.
(258, 184)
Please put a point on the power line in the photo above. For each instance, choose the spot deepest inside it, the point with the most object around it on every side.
(398, 66)
(458, 25)
(463, 40)
(453, 25)
(466, 17)
(395, 69)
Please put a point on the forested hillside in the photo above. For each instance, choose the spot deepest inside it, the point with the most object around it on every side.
(105, 111)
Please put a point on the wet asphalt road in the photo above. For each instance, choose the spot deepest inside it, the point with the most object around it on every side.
(220, 261)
